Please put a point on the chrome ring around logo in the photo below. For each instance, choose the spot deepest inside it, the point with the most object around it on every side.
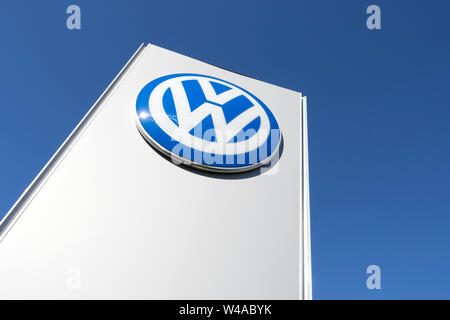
(207, 123)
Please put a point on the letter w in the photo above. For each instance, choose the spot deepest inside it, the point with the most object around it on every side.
(188, 119)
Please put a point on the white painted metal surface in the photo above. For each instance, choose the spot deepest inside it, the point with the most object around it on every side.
(109, 217)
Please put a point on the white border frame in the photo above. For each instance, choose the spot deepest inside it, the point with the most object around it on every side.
(305, 214)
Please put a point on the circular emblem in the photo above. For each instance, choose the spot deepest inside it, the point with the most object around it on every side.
(206, 122)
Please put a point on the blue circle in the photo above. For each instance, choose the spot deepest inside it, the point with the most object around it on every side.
(249, 160)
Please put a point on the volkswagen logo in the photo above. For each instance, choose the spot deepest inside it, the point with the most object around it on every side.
(207, 122)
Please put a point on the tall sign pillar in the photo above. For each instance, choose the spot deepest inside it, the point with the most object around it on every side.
(183, 181)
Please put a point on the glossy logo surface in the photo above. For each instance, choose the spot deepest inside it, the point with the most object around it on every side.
(206, 122)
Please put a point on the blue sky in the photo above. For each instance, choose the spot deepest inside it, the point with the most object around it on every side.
(378, 112)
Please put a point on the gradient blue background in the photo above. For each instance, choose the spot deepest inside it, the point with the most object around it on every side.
(378, 112)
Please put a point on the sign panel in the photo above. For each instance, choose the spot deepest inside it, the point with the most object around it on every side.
(184, 181)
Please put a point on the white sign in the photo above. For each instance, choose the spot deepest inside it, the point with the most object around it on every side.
(119, 213)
